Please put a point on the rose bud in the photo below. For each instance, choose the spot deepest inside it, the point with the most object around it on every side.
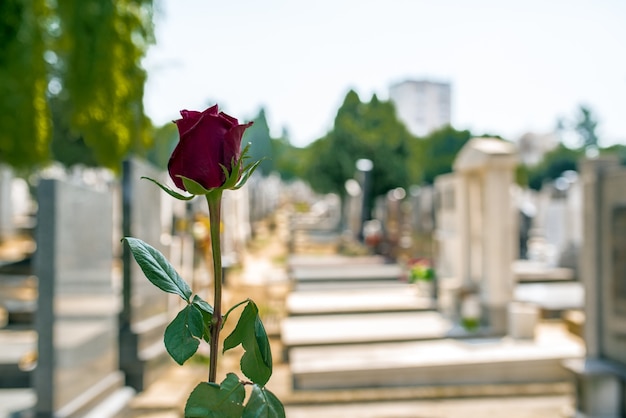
(207, 140)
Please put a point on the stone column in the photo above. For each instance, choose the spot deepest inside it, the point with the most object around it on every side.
(589, 266)
(463, 222)
(498, 245)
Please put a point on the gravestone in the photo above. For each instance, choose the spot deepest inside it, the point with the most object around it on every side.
(7, 228)
(77, 308)
(448, 242)
(145, 309)
(236, 220)
(484, 170)
(264, 193)
(422, 209)
(601, 377)
(393, 213)
(556, 229)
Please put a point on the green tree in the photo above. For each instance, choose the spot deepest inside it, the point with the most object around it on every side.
(261, 148)
(101, 46)
(75, 65)
(554, 163)
(361, 130)
(586, 128)
(387, 144)
(331, 159)
(25, 128)
(436, 152)
(165, 140)
(288, 158)
(616, 149)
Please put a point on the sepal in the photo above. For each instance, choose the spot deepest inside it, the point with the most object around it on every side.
(194, 187)
(169, 191)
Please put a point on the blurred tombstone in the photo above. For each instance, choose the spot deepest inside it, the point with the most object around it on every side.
(373, 234)
(77, 308)
(145, 309)
(353, 207)
(7, 227)
(556, 234)
(487, 225)
(263, 195)
(569, 255)
(23, 206)
(422, 209)
(447, 241)
(236, 220)
(364, 176)
(601, 377)
(180, 236)
(393, 223)
(525, 203)
(447, 228)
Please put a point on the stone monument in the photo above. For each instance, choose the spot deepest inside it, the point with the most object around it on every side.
(484, 170)
(77, 307)
(145, 309)
(601, 377)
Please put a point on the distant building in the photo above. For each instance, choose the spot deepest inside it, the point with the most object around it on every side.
(423, 106)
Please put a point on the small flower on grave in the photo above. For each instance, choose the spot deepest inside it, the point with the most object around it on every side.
(420, 270)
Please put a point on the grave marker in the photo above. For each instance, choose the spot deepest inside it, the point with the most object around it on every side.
(145, 310)
(77, 365)
(601, 377)
(484, 171)
(7, 229)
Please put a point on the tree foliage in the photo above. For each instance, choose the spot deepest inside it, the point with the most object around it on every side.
(554, 163)
(25, 128)
(74, 65)
(361, 130)
(165, 139)
(616, 149)
(586, 127)
(261, 144)
(288, 159)
(434, 154)
(564, 158)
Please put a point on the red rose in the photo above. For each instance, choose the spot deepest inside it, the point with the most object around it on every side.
(207, 139)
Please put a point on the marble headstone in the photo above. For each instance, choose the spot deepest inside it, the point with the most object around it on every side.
(76, 318)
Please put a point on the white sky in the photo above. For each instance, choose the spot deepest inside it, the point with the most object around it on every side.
(514, 65)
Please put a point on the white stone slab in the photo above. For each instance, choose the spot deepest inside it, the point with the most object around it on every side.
(362, 328)
(552, 296)
(526, 271)
(520, 406)
(437, 362)
(13, 401)
(16, 344)
(331, 286)
(302, 260)
(347, 272)
(389, 299)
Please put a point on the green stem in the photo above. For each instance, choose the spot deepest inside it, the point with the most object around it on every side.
(214, 199)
